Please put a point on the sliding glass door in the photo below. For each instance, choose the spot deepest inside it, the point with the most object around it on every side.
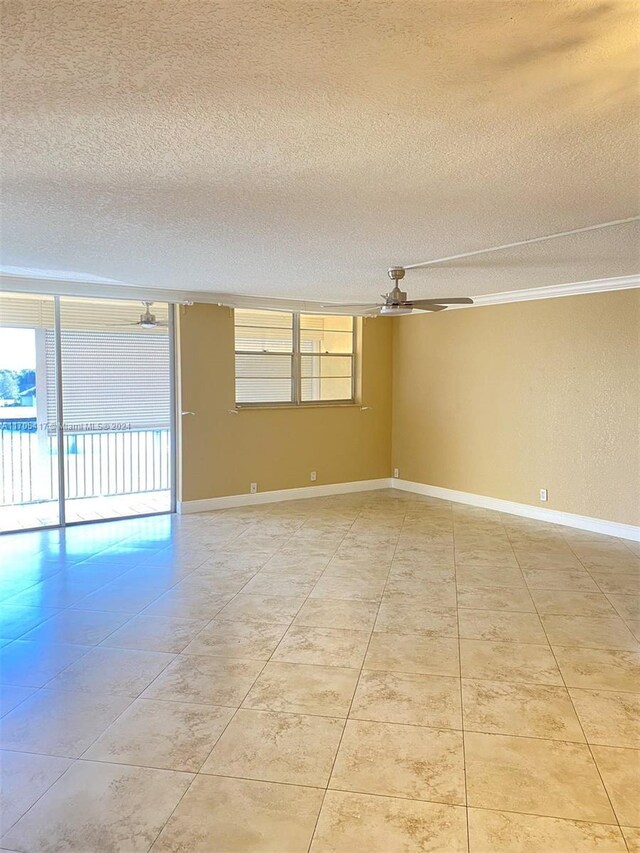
(29, 471)
(99, 427)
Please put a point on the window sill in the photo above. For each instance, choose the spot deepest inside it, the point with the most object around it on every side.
(260, 407)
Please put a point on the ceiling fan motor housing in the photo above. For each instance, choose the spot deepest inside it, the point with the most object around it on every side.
(396, 296)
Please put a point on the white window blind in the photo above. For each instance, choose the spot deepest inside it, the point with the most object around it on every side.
(112, 371)
(283, 357)
(25, 311)
(264, 356)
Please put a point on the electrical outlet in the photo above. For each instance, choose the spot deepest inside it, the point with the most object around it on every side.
(396, 472)
(314, 476)
(254, 488)
(544, 495)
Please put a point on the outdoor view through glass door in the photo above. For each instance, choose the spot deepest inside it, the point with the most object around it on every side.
(85, 406)
(29, 479)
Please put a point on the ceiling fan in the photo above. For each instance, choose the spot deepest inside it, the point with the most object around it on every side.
(147, 319)
(396, 303)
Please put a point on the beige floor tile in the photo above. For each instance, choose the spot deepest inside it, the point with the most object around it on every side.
(400, 761)
(562, 602)
(609, 718)
(394, 617)
(277, 747)
(298, 688)
(401, 570)
(206, 680)
(403, 697)
(229, 571)
(262, 608)
(337, 613)
(505, 832)
(167, 735)
(632, 837)
(23, 779)
(634, 627)
(323, 646)
(502, 626)
(482, 539)
(553, 561)
(98, 807)
(354, 822)
(617, 584)
(598, 632)
(237, 639)
(227, 564)
(495, 598)
(225, 815)
(611, 563)
(620, 769)
(482, 558)
(569, 581)
(108, 671)
(268, 584)
(512, 662)
(57, 722)
(300, 564)
(627, 606)
(483, 576)
(413, 653)
(529, 710)
(367, 589)
(534, 776)
(192, 604)
(369, 570)
(599, 669)
(429, 593)
(155, 634)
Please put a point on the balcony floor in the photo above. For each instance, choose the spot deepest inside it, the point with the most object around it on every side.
(45, 513)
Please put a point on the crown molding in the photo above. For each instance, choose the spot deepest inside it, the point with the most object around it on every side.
(65, 287)
(598, 285)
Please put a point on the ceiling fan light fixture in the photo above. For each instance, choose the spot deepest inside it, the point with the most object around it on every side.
(394, 310)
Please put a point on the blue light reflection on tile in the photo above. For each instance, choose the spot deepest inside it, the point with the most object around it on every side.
(45, 567)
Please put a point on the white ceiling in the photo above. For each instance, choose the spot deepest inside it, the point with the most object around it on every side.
(298, 148)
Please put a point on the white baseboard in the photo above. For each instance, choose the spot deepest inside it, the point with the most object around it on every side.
(230, 501)
(554, 516)
(567, 519)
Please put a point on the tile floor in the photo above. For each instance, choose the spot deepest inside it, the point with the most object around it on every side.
(374, 672)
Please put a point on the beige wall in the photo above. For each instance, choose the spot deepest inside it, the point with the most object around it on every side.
(508, 399)
(277, 448)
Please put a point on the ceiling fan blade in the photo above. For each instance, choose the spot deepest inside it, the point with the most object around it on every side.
(454, 300)
(338, 306)
(427, 305)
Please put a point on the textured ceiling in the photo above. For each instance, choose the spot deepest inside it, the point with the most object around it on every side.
(297, 149)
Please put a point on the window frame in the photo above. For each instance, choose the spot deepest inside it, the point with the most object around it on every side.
(296, 366)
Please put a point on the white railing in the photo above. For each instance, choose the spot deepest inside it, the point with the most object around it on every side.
(96, 464)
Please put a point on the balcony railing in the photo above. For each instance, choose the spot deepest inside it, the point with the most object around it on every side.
(96, 464)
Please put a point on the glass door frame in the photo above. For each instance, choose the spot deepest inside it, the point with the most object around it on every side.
(60, 431)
